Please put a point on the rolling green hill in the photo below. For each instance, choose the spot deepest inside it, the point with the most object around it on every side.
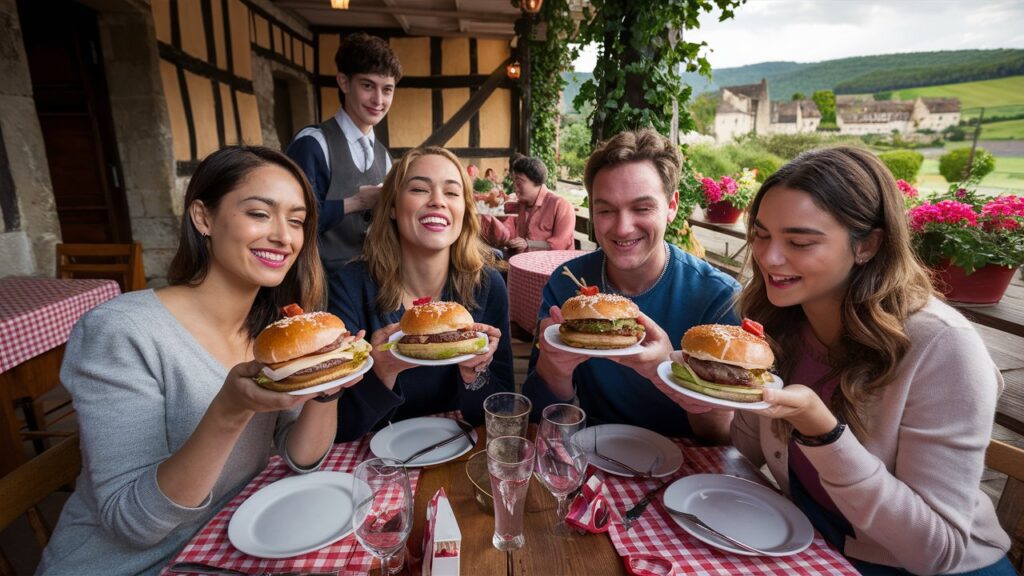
(1002, 96)
(786, 78)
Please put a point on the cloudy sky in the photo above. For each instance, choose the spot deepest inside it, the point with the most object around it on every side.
(816, 30)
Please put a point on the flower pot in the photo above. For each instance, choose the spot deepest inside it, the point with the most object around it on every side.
(722, 213)
(985, 287)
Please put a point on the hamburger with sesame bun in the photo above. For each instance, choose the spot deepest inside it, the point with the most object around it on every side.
(599, 321)
(724, 361)
(303, 350)
(438, 331)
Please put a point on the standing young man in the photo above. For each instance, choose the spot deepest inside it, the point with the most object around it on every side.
(342, 158)
(632, 182)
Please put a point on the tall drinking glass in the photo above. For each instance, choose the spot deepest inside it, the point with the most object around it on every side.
(506, 414)
(561, 462)
(382, 517)
(510, 463)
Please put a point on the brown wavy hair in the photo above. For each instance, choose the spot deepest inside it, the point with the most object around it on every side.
(217, 175)
(858, 191)
(383, 253)
(636, 146)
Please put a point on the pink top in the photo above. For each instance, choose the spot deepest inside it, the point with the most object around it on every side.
(809, 371)
(551, 219)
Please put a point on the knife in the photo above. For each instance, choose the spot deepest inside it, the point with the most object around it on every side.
(460, 434)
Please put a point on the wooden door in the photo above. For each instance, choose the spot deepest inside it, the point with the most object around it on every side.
(70, 91)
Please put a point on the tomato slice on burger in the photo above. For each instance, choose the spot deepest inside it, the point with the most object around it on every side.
(753, 327)
(291, 310)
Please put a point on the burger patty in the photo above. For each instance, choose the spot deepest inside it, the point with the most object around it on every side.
(325, 365)
(720, 373)
(442, 338)
(624, 327)
(332, 346)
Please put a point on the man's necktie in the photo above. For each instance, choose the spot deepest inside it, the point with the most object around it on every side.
(364, 141)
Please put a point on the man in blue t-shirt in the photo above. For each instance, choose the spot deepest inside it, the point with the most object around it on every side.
(632, 184)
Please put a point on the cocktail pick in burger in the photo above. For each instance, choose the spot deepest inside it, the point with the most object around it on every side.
(724, 361)
(598, 321)
(438, 331)
(303, 350)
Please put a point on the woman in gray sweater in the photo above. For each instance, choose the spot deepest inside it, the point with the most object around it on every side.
(172, 424)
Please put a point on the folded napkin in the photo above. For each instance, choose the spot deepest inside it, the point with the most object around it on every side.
(591, 509)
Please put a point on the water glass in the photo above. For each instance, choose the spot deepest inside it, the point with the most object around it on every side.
(383, 504)
(506, 414)
(510, 462)
(561, 460)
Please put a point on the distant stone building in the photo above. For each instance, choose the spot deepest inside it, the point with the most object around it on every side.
(864, 115)
(748, 109)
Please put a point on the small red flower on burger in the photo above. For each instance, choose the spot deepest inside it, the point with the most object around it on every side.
(421, 301)
(753, 327)
(589, 290)
(292, 310)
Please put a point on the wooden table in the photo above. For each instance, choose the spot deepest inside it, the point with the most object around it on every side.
(36, 316)
(1007, 315)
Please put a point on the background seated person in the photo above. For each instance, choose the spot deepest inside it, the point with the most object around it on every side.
(424, 241)
(632, 182)
(545, 220)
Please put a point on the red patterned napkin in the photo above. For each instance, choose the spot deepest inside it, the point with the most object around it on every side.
(590, 509)
(656, 545)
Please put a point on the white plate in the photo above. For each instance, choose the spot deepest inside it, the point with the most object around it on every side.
(344, 380)
(745, 510)
(402, 439)
(631, 445)
(293, 516)
(552, 336)
(665, 371)
(422, 362)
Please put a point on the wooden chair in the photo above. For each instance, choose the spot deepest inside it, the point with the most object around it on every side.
(33, 481)
(1009, 460)
(121, 262)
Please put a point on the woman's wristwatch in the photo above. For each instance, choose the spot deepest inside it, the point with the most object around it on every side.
(822, 439)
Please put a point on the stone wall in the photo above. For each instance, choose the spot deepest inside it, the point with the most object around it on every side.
(300, 91)
(28, 249)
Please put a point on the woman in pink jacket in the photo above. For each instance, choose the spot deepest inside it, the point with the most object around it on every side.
(880, 434)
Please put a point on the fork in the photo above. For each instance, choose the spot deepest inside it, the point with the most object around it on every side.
(623, 465)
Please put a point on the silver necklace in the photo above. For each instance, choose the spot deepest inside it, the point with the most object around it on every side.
(607, 287)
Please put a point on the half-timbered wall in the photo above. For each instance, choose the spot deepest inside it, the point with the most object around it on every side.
(440, 75)
(206, 68)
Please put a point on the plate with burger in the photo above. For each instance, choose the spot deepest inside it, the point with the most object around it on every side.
(309, 352)
(723, 365)
(436, 334)
(597, 324)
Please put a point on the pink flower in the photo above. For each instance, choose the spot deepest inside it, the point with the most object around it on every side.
(944, 212)
(728, 185)
(712, 191)
(961, 193)
(1004, 213)
(908, 190)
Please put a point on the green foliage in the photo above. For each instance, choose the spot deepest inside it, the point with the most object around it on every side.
(637, 79)
(904, 164)
(788, 146)
(826, 101)
(953, 164)
(702, 111)
(1008, 63)
(710, 161)
(797, 96)
(954, 133)
(482, 185)
(574, 149)
(1000, 96)
(549, 58)
(752, 155)
(880, 96)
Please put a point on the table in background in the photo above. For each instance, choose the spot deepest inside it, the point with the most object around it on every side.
(36, 316)
(527, 274)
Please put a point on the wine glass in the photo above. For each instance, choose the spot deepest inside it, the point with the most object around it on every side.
(382, 515)
(561, 461)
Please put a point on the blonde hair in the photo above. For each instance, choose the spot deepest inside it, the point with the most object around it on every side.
(383, 253)
(858, 191)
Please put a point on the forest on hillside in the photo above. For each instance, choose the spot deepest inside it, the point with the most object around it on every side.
(861, 74)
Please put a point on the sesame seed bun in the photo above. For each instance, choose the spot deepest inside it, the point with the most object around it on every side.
(728, 345)
(599, 307)
(435, 318)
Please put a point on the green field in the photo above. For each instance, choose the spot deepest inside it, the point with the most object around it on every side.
(1007, 178)
(1006, 130)
(1005, 93)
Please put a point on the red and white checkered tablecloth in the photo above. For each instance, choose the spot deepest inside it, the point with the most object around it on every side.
(36, 314)
(211, 545)
(656, 534)
(527, 274)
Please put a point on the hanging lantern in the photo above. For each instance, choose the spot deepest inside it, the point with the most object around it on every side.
(513, 70)
(532, 6)
(339, 4)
